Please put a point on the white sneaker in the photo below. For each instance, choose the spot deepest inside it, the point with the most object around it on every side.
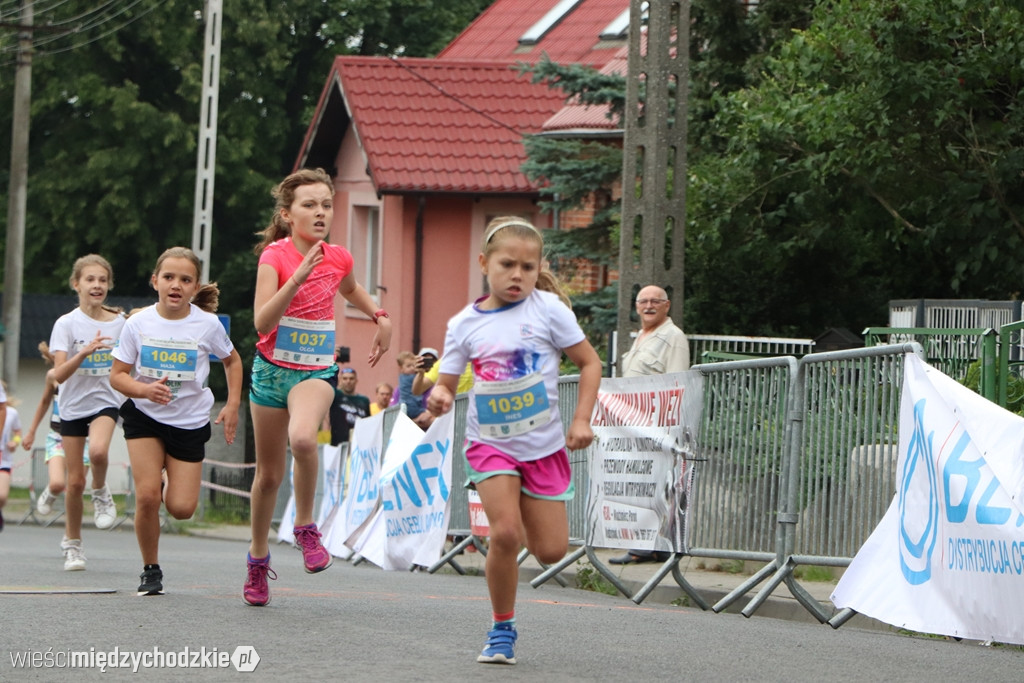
(44, 504)
(105, 512)
(74, 558)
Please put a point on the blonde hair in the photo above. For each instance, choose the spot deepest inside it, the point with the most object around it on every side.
(94, 260)
(208, 296)
(504, 227)
(404, 356)
(284, 195)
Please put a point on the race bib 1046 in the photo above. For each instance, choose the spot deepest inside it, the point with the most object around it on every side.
(171, 358)
(305, 342)
(512, 407)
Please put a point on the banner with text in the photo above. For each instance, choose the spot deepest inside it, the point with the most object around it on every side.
(333, 459)
(410, 525)
(641, 469)
(362, 495)
(948, 556)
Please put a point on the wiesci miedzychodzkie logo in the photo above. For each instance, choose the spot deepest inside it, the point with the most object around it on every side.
(919, 518)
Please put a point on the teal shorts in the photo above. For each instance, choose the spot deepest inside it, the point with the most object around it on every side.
(55, 447)
(271, 383)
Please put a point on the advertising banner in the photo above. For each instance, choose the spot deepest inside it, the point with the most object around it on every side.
(641, 471)
(948, 556)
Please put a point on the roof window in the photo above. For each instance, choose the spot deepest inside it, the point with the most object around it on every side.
(550, 20)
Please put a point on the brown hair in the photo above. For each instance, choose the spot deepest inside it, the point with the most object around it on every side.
(93, 260)
(512, 226)
(208, 296)
(404, 356)
(284, 195)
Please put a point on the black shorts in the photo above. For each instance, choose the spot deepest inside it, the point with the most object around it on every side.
(80, 427)
(188, 445)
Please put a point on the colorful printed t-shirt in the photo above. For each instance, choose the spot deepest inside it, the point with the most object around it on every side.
(515, 352)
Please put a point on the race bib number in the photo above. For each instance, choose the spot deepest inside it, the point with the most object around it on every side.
(305, 342)
(170, 358)
(512, 407)
(97, 363)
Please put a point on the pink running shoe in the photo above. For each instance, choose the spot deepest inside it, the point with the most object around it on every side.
(314, 555)
(256, 592)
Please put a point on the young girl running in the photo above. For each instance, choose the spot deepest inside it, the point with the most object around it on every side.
(80, 342)
(167, 414)
(55, 465)
(10, 436)
(515, 451)
(294, 374)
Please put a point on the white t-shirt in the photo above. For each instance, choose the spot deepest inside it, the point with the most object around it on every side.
(11, 424)
(515, 352)
(88, 390)
(179, 349)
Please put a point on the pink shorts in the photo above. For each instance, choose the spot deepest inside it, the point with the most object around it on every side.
(549, 478)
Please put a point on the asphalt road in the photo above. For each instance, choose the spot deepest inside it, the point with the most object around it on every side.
(361, 623)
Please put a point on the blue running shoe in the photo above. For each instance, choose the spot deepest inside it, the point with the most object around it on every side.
(501, 645)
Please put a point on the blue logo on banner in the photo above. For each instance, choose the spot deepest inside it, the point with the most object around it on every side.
(918, 532)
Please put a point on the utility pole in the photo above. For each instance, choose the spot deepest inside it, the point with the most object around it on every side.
(206, 154)
(14, 253)
(653, 231)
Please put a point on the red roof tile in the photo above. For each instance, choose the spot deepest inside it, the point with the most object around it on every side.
(436, 125)
(581, 117)
(494, 35)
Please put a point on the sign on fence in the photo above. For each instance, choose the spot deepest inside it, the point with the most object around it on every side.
(948, 556)
(363, 491)
(641, 470)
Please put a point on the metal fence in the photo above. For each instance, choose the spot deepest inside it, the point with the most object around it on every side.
(796, 466)
(708, 348)
(952, 350)
(952, 313)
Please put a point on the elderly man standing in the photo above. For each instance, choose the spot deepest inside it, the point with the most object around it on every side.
(660, 347)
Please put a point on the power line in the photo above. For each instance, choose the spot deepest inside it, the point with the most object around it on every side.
(95, 23)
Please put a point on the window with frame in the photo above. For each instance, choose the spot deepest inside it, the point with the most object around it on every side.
(364, 243)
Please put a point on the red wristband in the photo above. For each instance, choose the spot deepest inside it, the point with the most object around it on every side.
(381, 313)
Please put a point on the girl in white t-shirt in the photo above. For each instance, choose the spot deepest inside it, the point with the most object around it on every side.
(10, 437)
(81, 342)
(515, 451)
(167, 346)
(55, 465)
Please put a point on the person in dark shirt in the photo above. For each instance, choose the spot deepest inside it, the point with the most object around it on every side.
(348, 406)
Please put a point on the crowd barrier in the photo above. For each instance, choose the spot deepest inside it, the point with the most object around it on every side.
(795, 466)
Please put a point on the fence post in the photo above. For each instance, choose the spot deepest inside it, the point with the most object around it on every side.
(988, 364)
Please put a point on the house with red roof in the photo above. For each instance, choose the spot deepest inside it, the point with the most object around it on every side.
(425, 152)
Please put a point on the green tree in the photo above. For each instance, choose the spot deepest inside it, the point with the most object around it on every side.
(841, 154)
(115, 121)
(879, 157)
(727, 48)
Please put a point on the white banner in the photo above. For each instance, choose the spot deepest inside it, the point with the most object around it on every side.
(333, 483)
(416, 477)
(948, 556)
(366, 441)
(641, 468)
(285, 533)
